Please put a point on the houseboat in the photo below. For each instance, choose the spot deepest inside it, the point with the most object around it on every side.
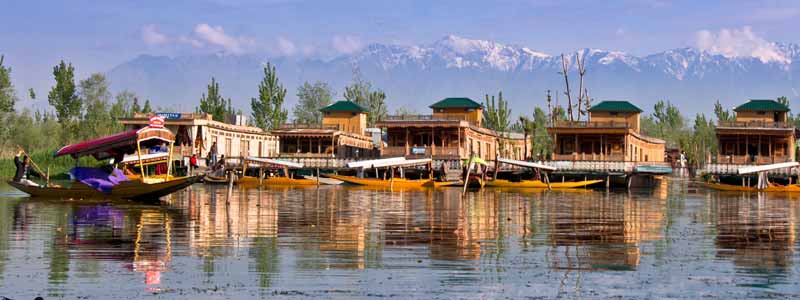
(196, 132)
(450, 135)
(609, 144)
(759, 135)
(341, 137)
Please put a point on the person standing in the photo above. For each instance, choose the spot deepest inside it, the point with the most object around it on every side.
(193, 164)
(212, 154)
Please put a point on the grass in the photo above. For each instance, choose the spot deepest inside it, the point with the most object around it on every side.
(44, 158)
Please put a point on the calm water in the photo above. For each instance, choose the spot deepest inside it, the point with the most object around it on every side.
(345, 242)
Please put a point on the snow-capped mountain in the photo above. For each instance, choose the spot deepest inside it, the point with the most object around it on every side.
(417, 75)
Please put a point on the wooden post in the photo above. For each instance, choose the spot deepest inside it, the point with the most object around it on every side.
(469, 168)
(139, 154)
(547, 181)
(260, 177)
(608, 182)
(318, 176)
(407, 149)
(47, 177)
(496, 165)
(391, 177)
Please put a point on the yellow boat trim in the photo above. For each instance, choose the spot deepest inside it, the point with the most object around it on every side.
(397, 182)
(730, 187)
(540, 184)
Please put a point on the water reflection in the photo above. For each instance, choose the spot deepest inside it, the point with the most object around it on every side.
(330, 238)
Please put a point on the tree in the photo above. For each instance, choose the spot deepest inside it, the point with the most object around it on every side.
(213, 103)
(360, 92)
(268, 112)
(404, 112)
(122, 107)
(496, 116)
(64, 98)
(147, 109)
(95, 96)
(31, 94)
(312, 97)
(7, 95)
(721, 113)
(135, 108)
(542, 142)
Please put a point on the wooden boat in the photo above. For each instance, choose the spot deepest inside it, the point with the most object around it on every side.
(397, 182)
(275, 164)
(210, 179)
(794, 188)
(391, 164)
(538, 184)
(134, 190)
(117, 146)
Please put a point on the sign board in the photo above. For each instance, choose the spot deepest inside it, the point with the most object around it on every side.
(169, 115)
(156, 122)
(418, 150)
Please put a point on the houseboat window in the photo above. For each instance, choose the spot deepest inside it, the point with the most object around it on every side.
(761, 113)
(614, 113)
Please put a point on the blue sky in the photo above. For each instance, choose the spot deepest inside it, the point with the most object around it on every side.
(97, 35)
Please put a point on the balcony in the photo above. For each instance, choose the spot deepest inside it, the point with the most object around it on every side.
(290, 126)
(396, 151)
(755, 124)
(746, 159)
(590, 124)
(423, 118)
(589, 157)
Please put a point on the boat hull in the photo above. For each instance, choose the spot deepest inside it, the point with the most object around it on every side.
(135, 190)
(538, 184)
(253, 181)
(397, 182)
(794, 188)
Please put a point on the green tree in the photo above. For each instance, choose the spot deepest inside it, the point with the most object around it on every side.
(722, 113)
(122, 107)
(97, 120)
(135, 107)
(312, 97)
(213, 103)
(496, 115)
(7, 95)
(147, 109)
(404, 112)
(702, 143)
(31, 94)
(268, 112)
(64, 98)
(542, 142)
(361, 92)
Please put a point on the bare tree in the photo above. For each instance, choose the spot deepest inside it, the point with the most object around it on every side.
(581, 92)
(564, 71)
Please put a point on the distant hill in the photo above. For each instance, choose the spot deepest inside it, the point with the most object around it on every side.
(416, 76)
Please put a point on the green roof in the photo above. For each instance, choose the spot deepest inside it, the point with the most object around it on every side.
(615, 106)
(456, 103)
(761, 105)
(344, 106)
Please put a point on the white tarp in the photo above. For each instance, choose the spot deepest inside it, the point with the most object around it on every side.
(762, 168)
(526, 164)
(135, 158)
(288, 164)
(372, 162)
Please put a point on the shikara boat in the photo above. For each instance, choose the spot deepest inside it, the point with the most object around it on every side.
(546, 184)
(391, 164)
(263, 164)
(538, 184)
(763, 184)
(96, 183)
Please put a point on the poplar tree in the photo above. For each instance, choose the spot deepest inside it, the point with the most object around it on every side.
(268, 112)
(312, 97)
(213, 103)
(64, 99)
(7, 94)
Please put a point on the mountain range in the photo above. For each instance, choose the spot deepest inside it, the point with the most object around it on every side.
(416, 76)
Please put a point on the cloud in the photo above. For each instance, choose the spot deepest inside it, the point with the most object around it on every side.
(286, 47)
(151, 35)
(346, 44)
(191, 41)
(739, 43)
(215, 35)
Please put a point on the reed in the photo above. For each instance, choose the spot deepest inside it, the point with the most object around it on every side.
(44, 158)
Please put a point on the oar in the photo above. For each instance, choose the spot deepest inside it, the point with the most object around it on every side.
(469, 167)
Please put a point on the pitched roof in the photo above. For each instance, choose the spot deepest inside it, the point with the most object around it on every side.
(456, 103)
(761, 105)
(344, 106)
(615, 106)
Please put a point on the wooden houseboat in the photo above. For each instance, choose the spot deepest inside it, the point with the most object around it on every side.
(341, 137)
(450, 134)
(195, 133)
(759, 135)
(609, 143)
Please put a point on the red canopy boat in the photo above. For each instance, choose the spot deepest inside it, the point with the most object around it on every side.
(116, 146)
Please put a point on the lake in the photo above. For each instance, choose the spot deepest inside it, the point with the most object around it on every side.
(673, 241)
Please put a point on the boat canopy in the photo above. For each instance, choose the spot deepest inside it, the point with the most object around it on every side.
(146, 158)
(476, 160)
(274, 162)
(762, 168)
(375, 162)
(117, 145)
(526, 164)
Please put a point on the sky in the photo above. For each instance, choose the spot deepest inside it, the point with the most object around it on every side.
(98, 35)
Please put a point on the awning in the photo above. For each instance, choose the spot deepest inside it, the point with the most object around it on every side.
(526, 164)
(146, 158)
(275, 162)
(118, 144)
